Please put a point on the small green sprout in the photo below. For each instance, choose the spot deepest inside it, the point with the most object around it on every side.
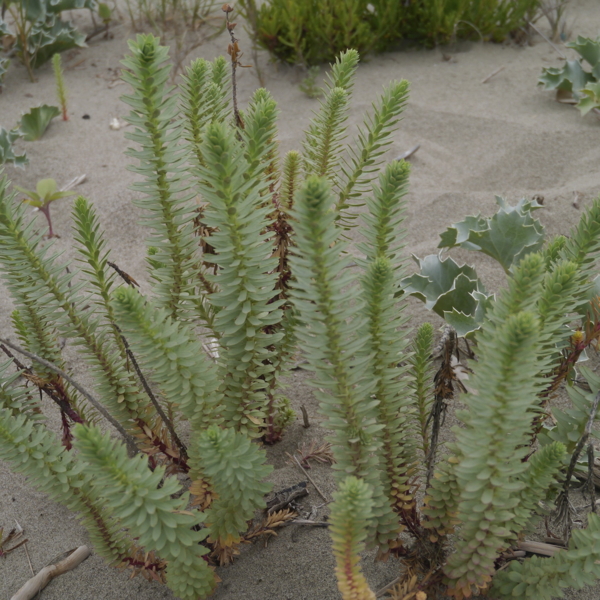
(41, 199)
(61, 90)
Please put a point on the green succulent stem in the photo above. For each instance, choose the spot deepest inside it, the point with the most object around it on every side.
(143, 502)
(331, 317)
(422, 386)
(350, 514)
(245, 279)
(34, 451)
(322, 145)
(366, 153)
(61, 90)
(161, 162)
(235, 469)
(92, 251)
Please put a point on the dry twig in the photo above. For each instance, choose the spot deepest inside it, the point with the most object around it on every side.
(493, 74)
(13, 537)
(128, 439)
(547, 40)
(155, 403)
(309, 478)
(271, 522)
(313, 451)
(43, 578)
(284, 498)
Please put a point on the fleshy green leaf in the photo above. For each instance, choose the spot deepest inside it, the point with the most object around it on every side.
(590, 98)
(571, 78)
(33, 124)
(7, 153)
(587, 48)
(450, 290)
(507, 236)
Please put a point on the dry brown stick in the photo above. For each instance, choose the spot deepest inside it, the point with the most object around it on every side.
(388, 587)
(43, 578)
(310, 479)
(540, 548)
(28, 558)
(28, 374)
(155, 403)
(305, 421)
(128, 279)
(309, 522)
(546, 39)
(233, 51)
(128, 439)
(493, 74)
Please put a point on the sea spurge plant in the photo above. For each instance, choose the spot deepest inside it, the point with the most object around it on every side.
(245, 277)
(350, 514)
(61, 90)
(235, 468)
(372, 141)
(248, 261)
(332, 315)
(36, 452)
(546, 578)
(490, 481)
(203, 100)
(322, 145)
(172, 355)
(14, 398)
(422, 371)
(165, 199)
(143, 502)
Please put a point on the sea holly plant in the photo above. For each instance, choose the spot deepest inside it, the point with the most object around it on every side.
(36, 31)
(506, 237)
(455, 292)
(7, 152)
(216, 200)
(579, 77)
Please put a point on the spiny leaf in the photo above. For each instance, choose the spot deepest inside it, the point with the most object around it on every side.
(507, 236)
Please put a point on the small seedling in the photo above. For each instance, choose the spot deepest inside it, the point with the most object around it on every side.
(61, 90)
(309, 84)
(41, 199)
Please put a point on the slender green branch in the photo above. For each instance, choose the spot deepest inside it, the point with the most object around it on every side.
(128, 439)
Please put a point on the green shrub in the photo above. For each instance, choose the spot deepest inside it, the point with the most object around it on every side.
(315, 31)
(235, 292)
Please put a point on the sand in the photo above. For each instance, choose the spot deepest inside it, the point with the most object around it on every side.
(505, 137)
